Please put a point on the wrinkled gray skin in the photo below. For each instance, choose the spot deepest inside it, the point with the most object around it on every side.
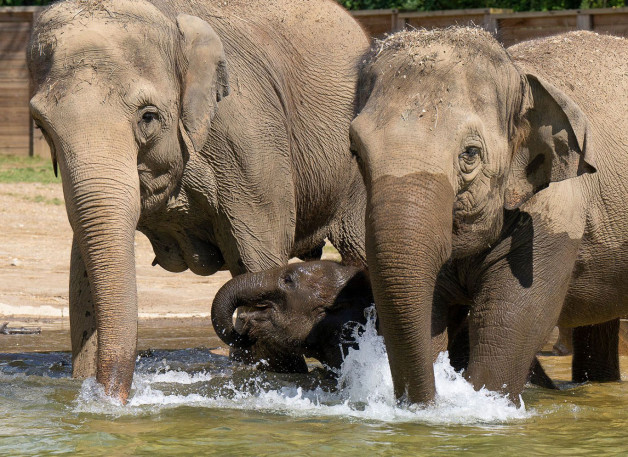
(458, 140)
(312, 309)
(302, 309)
(218, 129)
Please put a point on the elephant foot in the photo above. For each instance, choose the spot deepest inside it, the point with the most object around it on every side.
(596, 353)
(563, 345)
(538, 377)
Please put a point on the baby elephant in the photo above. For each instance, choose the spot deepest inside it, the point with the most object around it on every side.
(302, 309)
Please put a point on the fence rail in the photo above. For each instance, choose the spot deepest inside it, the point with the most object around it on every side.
(18, 137)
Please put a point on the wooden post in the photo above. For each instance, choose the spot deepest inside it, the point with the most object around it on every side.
(398, 23)
(584, 21)
(490, 23)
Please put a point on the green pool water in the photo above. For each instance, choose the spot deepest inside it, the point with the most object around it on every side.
(194, 402)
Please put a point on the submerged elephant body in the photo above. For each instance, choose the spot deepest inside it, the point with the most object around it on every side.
(218, 129)
(458, 140)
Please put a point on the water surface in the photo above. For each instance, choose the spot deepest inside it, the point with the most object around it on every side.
(196, 402)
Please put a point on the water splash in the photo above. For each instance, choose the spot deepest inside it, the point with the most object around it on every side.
(364, 391)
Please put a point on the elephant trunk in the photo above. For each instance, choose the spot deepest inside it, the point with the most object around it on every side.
(408, 240)
(102, 194)
(243, 290)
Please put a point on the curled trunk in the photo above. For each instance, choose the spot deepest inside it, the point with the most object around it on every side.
(243, 290)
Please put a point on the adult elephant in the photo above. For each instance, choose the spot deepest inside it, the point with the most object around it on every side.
(458, 140)
(218, 129)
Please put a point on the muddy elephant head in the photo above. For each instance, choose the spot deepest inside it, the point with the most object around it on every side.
(303, 309)
(449, 135)
(122, 95)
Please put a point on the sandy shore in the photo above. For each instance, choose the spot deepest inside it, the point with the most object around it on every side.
(35, 242)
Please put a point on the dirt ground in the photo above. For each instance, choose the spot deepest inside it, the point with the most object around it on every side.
(35, 243)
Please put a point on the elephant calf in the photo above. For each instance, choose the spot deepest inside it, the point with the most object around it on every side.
(302, 309)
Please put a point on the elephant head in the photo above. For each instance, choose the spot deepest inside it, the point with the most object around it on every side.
(123, 96)
(302, 309)
(450, 133)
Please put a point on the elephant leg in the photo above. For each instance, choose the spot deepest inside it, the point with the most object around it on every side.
(596, 353)
(348, 234)
(504, 338)
(520, 294)
(83, 331)
(458, 336)
(538, 377)
(563, 345)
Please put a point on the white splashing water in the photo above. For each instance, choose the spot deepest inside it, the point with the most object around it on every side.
(365, 391)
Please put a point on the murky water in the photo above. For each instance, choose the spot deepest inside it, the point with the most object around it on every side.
(195, 402)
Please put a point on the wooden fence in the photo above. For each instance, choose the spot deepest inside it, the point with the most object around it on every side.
(18, 137)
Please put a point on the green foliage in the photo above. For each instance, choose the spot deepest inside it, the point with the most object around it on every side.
(26, 169)
(516, 5)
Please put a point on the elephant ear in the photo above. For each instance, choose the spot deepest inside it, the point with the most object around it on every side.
(556, 144)
(204, 76)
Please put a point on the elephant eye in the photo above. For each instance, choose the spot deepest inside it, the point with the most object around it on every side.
(149, 117)
(470, 153)
(149, 123)
(470, 158)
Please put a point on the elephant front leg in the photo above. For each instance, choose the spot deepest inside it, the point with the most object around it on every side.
(596, 352)
(82, 319)
(519, 300)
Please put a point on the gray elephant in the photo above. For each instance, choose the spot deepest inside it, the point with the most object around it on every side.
(302, 309)
(313, 309)
(218, 129)
(478, 163)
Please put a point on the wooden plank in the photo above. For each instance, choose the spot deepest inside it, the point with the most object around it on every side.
(13, 99)
(377, 25)
(13, 26)
(15, 123)
(617, 30)
(16, 130)
(377, 12)
(455, 13)
(14, 142)
(11, 85)
(40, 145)
(540, 14)
(613, 24)
(18, 13)
(14, 44)
(540, 22)
(431, 22)
(610, 19)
